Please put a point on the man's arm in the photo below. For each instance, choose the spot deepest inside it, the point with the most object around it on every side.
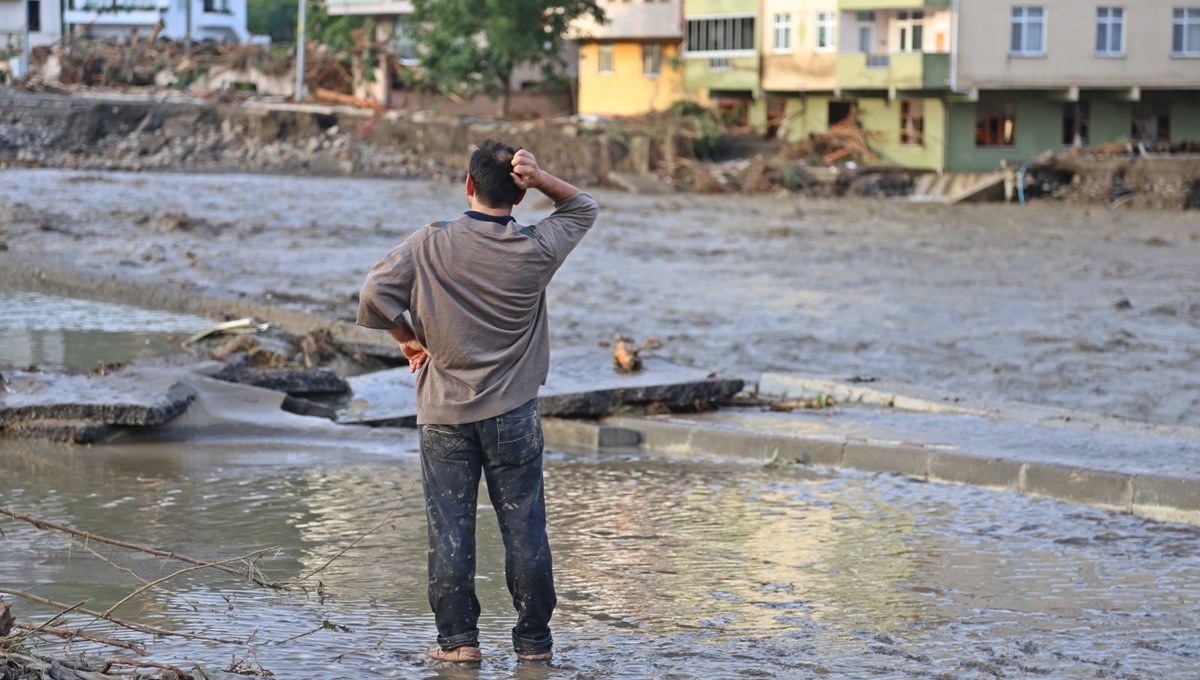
(574, 211)
(384, 299)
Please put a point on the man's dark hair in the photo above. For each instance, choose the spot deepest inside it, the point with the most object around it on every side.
(491, 164)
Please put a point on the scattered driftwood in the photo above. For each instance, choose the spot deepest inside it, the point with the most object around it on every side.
(109, 663)
(818, 402)
(627, 358)
(333, 97)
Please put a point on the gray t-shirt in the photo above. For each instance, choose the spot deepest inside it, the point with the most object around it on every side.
(475, 288)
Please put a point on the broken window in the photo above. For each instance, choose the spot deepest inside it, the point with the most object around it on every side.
(995, 123)
(912, 122)
(1075, 124)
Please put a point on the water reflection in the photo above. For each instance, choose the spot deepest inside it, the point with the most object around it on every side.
(665, 568)
(67, 333)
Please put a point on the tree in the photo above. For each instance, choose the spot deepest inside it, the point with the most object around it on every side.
(472, 46)
(277, 18)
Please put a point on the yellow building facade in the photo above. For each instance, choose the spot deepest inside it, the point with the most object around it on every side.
(631, 63)
(629, 77)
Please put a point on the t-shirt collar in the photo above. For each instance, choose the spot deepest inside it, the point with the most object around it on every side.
(498, 219)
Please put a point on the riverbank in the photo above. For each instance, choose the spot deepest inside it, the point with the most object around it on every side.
(173, 132)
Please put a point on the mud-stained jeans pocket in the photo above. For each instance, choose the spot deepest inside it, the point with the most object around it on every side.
(519, 434)
(441, 441)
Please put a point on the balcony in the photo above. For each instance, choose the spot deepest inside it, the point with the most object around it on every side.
(871, 5)
(892, 71)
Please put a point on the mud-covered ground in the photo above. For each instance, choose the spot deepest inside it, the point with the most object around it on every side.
(1079, 307)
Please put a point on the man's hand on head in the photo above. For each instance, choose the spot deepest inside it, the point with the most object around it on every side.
(416, 354)
(525, 173)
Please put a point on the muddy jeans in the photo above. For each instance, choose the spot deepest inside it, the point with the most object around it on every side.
(507, 449)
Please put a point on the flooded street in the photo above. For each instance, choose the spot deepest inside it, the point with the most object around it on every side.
(1078, 307)
(688, 568)
(666, 567)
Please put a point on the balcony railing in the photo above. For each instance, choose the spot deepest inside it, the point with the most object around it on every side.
(104, 6)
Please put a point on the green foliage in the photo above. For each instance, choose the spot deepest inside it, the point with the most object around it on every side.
(472, 46)
(705, 126)
(277, 18)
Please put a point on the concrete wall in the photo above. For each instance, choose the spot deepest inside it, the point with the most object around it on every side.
(627, 90)
(1070, 59)
(881, 118)
(1185, 115)
(1038, 129)
(805, 115)
(702, 7)
(803, 67)
(741, 76)
(12, 25)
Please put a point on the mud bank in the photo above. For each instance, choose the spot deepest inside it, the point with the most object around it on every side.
(127, 133)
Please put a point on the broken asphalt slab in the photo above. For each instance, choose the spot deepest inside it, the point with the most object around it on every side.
(84, 408)
(582, 384)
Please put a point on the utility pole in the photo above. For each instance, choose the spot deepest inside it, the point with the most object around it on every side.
(300, 40)
(187, 40)
(26, 52)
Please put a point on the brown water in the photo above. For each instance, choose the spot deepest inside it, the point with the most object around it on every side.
(665, 568)
(1079, 307)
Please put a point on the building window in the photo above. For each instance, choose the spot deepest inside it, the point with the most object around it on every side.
(718, 64)
(606, 58)
(652, 54)
(826, 35)
(995, 123)
(1075, 124)
(912, 122)
(725, 34)
(1028, 31)
(34, 15)
(783, 32)
(1110, 31)
(866, 32)
(1185, 33)
(912, 30)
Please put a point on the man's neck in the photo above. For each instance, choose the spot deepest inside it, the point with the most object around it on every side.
(495, 212)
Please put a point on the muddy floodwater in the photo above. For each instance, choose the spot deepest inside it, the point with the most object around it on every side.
(665, 568)
(1079, 307)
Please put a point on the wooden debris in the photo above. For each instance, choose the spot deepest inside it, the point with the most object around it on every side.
(109, 663)
(818, 402)
(626, 358)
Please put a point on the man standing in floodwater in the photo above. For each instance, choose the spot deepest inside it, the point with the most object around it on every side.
(475, 289)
